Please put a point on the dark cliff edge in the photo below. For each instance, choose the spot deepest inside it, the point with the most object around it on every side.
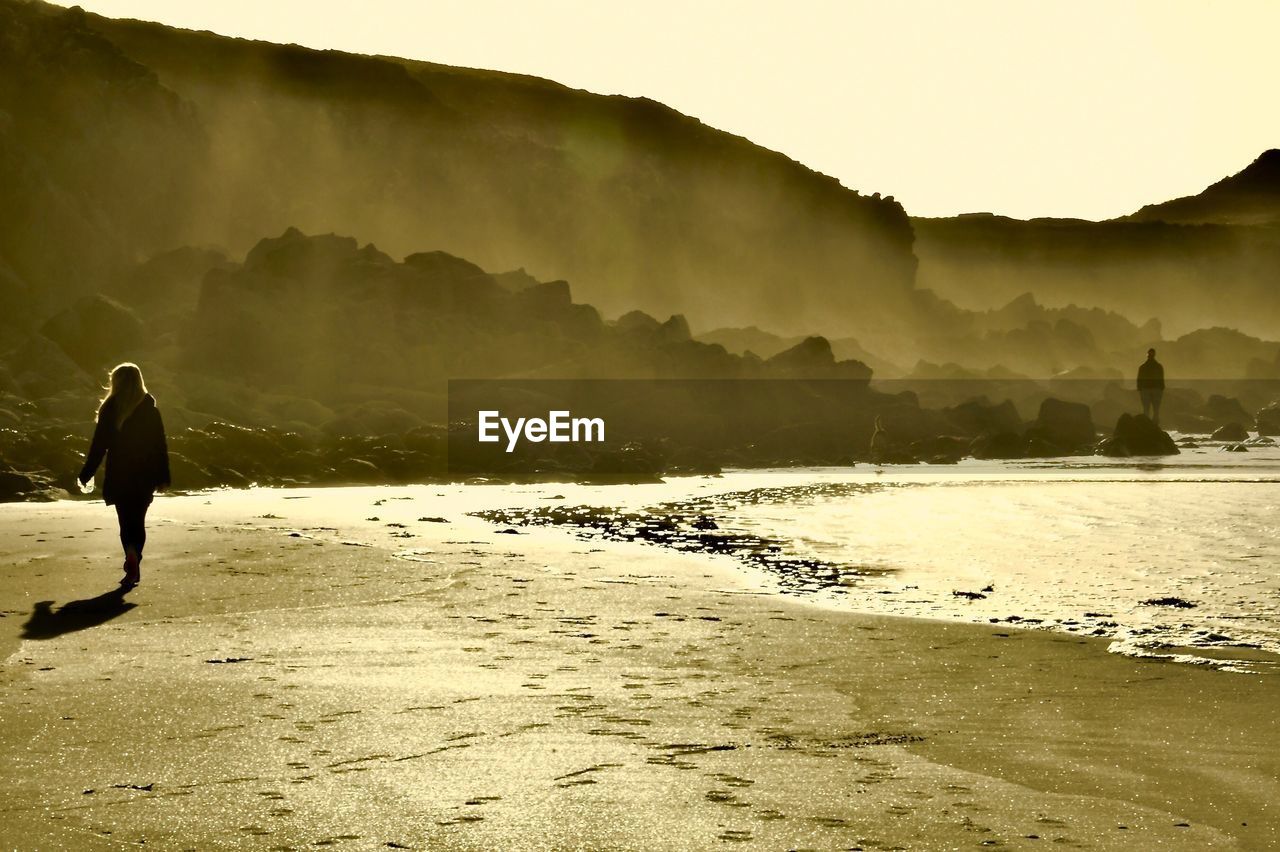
(1205, 260)
(123, 138)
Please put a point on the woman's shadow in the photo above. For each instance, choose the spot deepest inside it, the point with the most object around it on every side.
(46, 622)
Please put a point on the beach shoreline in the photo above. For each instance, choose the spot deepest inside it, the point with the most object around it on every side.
(285, 678)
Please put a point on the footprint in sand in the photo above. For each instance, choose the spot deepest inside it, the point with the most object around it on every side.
(732, 780)
(582, 776)
(461, 819)
(734, 835)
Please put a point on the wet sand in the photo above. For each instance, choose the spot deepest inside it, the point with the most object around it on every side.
(274, 686)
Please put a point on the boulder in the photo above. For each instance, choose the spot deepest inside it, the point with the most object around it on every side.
(978, 416)
(15, 485)
(1041, 448)
(1231, 432)
(1224, 410)
(1067, 425)
(942, 449)
(999, 445)
(1112, 447)
(1268, 420)
(1136, 435)
(1192, 424)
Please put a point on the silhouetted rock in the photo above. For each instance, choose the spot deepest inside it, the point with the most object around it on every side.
(943, 449)
(976, 416)
(999, 445)
(1220, 272)
(1268, 420)
(1136, 435)
(1193, 424)
(127, 135)
(442, 265)
(1231, 432)
(1225, 410)
(813, 358)
(1066, 425)
(1038, 447)
(637, 322)
(1249, 197)
(812, 355)
(15, 485)
(675, 329)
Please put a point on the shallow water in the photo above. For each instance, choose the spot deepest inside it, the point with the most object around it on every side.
(1077, 546)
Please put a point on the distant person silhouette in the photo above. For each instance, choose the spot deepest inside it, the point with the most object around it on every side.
(130, 435)
(1151, 386)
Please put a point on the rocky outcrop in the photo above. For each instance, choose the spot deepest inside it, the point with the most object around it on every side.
(1223, 410)
(1136, 435)
(1231, 432)
(1065, 425)
(978, 416)
(999, 445)
(1220, 272)
(813, 358)
(125, 137)
(1267, 421)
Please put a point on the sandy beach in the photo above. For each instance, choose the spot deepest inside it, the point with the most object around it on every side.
(328, 678)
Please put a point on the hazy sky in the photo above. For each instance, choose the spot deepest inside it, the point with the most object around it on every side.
(1026, 107)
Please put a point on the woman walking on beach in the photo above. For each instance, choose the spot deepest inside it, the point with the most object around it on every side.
(130, 435)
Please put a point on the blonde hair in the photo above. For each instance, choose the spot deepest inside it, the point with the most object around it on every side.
(124, 392)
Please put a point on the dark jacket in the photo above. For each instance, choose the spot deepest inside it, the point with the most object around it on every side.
(136, 452)
(1151, 376)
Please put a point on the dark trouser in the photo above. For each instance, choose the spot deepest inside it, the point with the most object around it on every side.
(133, 523)
(1151, 403)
